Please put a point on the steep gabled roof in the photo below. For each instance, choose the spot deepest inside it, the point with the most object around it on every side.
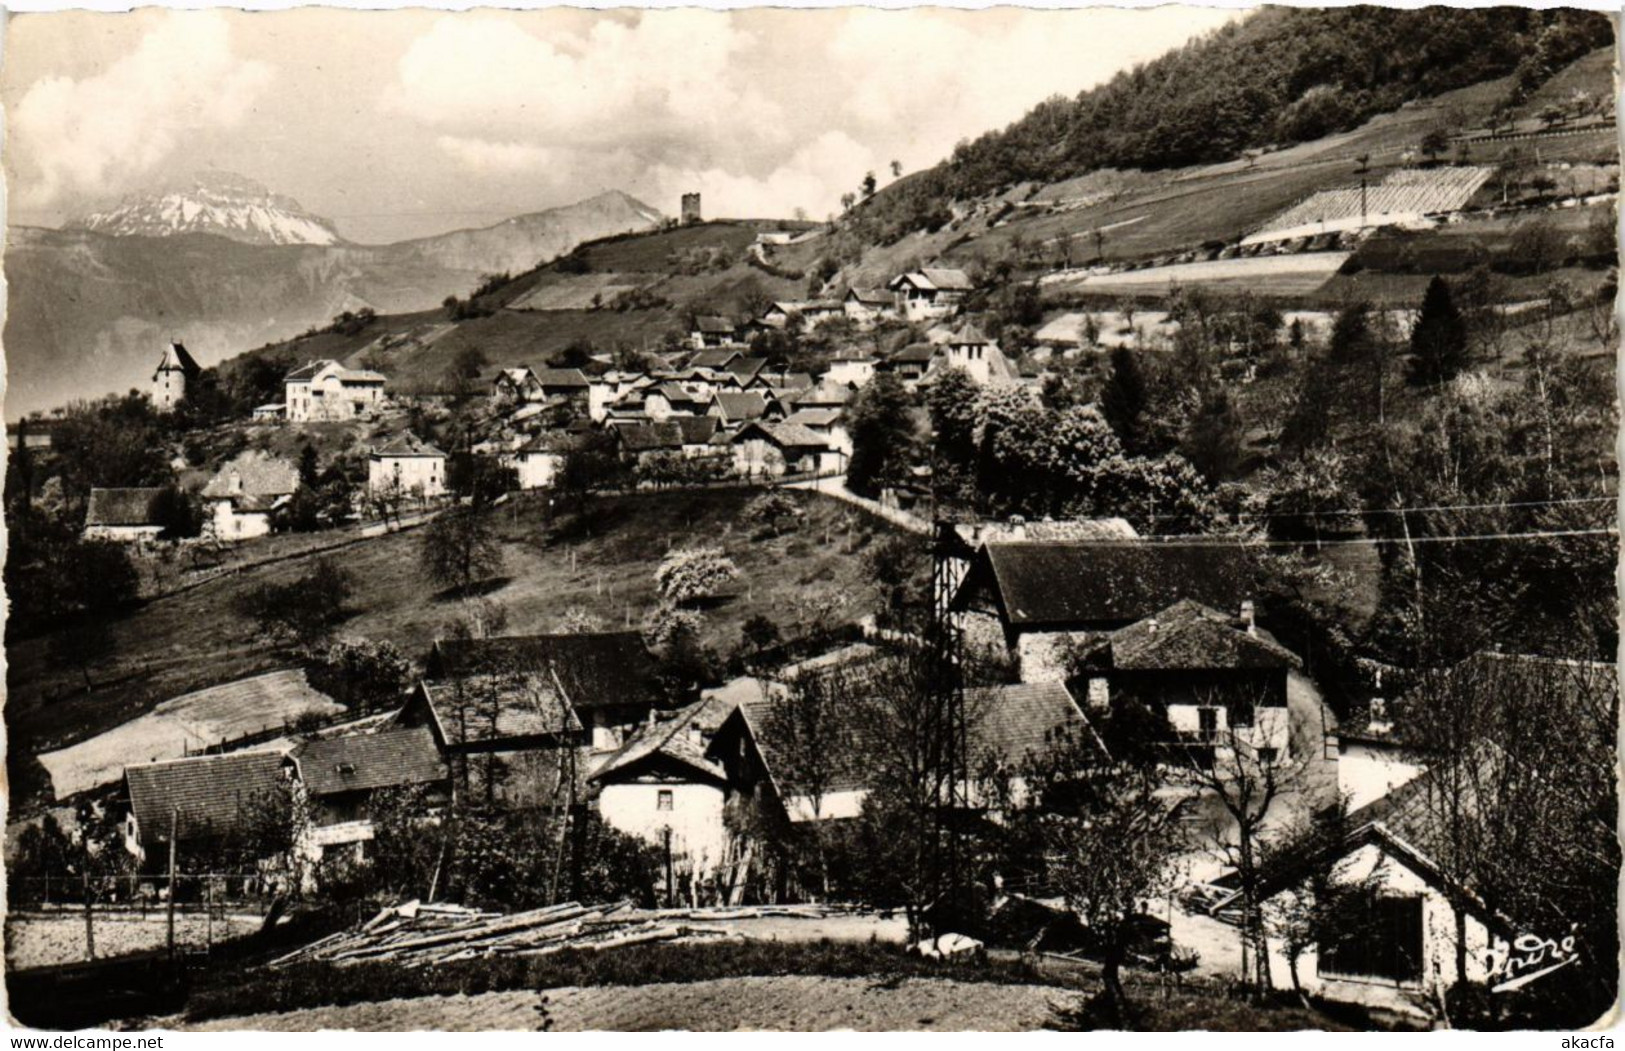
(740, 405)
(914, 354)
(673, 738)
(206, 795)
(696, 430)
(813, 418)
(364, 761)
(746, 369)
(824, 394)
(406, 444)
(1189, 635)
(782, 435)
(711, 324)
(872, 297)
(176, 358)
(122, 507)
(260, 475)
(1078, 583)
(487, 707)
(712, 359)
(651, 437)
(948, 280)
(969, 334)
(308, 370)
(596, 669)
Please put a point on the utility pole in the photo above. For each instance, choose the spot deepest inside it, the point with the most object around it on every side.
(174, 820)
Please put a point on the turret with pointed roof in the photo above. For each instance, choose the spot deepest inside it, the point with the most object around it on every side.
(175, 370)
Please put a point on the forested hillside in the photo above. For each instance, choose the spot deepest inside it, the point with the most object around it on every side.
(1280, 77)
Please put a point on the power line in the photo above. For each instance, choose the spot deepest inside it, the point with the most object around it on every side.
(1256, 515)
(1198, 540)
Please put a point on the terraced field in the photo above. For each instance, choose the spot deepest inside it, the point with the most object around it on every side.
(1282, 275)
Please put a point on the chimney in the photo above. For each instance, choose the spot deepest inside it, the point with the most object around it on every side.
(1247, 618)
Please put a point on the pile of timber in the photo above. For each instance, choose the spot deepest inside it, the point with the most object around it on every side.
(419, 934)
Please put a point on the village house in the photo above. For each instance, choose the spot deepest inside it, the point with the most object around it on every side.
(341, 774)
(176, 370)
(714, 359)
(910, 364)
(515, 386)
(571, 385)
(748, 372)
(827, 394)
(408, 466)
(662, 787)
(767, 449)
(866, 306)
(734, 408)
(244, 494)
(123, 514)
(1043, 600)
(1218, 680)
(827, 424)
(519, 716)
(537, 462)
(932, 292)
(970, 349)
(672, 399)
(711, 331)
(205, 802)
(851, 367)
(325, 390)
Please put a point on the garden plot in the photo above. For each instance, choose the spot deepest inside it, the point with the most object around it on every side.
(578, 291)
(1280, 275)
(189, 722)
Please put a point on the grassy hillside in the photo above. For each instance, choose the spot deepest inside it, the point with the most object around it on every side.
(604, 564)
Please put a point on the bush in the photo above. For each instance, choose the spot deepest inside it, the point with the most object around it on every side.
(302, 612)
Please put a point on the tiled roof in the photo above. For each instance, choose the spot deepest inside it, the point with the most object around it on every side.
(872, 296)
(1075, 583)
(122, 507)
(948, 280)
(812, 418)
(970, 333)
(712, 359)
(651, 437)
(482, 707)
(672, 737)
(746, 368)
(357, 762)
(783, 435)
(825, 394)
(1008, 723)
(307, 371)
(710, 323)
(1189, 635)
(209, 795)
(261, 476)
(596, 669)
(567, 378)
(914, 353)
(741, 405)
(696, 430)
(407, 444)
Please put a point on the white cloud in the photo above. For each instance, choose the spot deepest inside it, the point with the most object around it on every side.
(667, 84)
(99, 132)
(485, 156)
(813, 178)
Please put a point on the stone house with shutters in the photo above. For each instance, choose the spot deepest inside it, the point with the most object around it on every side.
(409, 466)
(245, 493)
(931, 292)
(325, 390)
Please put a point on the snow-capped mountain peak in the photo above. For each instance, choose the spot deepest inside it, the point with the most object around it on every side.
(217, 203)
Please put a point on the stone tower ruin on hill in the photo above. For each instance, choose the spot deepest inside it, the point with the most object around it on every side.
(691, 208)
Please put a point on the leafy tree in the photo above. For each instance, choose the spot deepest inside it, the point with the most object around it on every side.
(302, 612)
(309, 466)
(688, 575)
(769, 511)
(459, 549)
(759, 633)
(868, 186)
(362, 673)
(1439, 339)
(1435, 143)
(577, 620)
(1123, 401)
(882, 434)
(1213, 438)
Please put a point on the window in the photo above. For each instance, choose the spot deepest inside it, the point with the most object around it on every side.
(663, 799)
(1383, 940)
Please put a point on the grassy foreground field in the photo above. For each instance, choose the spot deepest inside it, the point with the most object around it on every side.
(711, 986)
(603, 563)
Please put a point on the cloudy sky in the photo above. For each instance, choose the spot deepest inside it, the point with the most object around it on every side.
(405, 123)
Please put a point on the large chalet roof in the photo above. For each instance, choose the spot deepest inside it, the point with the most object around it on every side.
(122, 507)
(596, 669)
(871, 297)
(711, 324)
(485, 708)
(254, 475)
(1110, 583)
(782, 435)
(206, 795)
(1190, 635)
(745, 369)
(914, 354)
(712, 359)
(310, 370)
(363, 761)
(696, 430)
(934, 278)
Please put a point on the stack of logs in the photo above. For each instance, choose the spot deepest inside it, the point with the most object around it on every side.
(418, 934)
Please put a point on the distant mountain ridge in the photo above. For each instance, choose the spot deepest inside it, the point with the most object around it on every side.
(90, 310)
(220, 203)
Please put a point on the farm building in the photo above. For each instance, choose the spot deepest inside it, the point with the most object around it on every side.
(326, 390)
(929, 293)
(712, 331)
(868, 305)
(342, 773)
(123, 514)
(205, 801)
(910, 364)
(537, 462)
(851, 367)
(243, 495)
(764, 449)
(1045, 597)
(515, 386)
(176, 368)
(826, 423)
(407, 466)
(732, 408)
